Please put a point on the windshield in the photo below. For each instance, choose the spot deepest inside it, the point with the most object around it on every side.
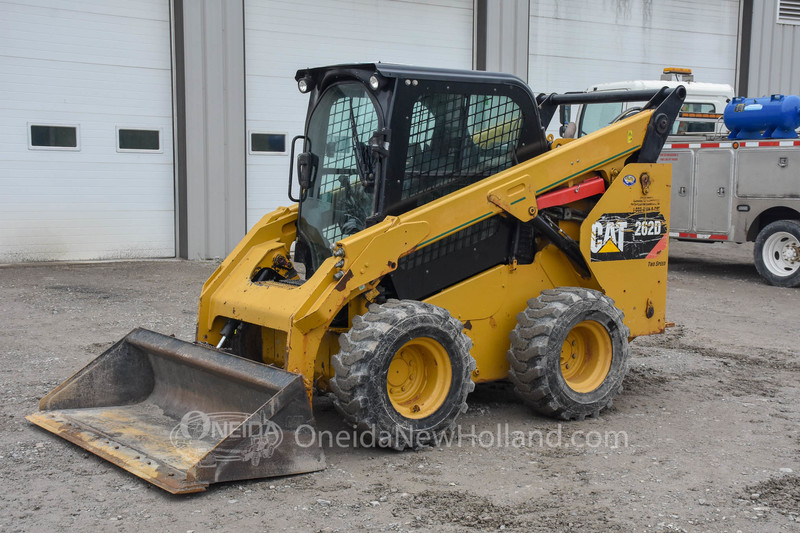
(596, 116)
(337, 204)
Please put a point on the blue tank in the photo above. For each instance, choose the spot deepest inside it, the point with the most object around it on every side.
(776, 117)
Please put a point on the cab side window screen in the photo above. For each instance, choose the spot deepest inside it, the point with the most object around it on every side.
(456, 140)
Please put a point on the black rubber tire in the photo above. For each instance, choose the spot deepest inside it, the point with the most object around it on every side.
(535, 353)
(246, 342)
(361, 371)
(773, 278)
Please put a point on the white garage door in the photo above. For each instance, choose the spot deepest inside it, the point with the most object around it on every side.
(281, 37)
(85, 130)
(578, 43)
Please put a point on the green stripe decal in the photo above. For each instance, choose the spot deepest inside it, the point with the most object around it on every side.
(587, 169)
(519, 200)
(454, 229)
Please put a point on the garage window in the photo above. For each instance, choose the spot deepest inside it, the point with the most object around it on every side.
(53, 137)
(267, 143)
(138, 140)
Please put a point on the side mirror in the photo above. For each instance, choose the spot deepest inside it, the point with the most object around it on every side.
(567, 129)
(564, 112)
(306, 169)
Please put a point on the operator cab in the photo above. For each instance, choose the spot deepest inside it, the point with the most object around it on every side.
(385, 139)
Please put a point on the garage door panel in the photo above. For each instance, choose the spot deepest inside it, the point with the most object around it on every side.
(381, 22)
(96, 66)
(73, 75)
(262, 90)
(144, 9)
(30, 202)
(75, 219)
(118, 240)
(50, 86)
(267, 192)
(71, 225)
(90, 174)
(341, 47)
(48, 32)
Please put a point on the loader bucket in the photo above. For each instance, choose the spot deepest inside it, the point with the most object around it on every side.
(183, 416)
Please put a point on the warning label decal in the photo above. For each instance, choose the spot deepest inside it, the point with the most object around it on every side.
(619, 236)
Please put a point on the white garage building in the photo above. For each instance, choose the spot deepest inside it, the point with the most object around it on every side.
(161, 128)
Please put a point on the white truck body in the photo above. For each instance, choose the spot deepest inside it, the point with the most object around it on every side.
(723, 190)
(726, 190)
(700, 98)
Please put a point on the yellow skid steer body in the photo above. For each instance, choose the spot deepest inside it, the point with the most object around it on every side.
(184, 415)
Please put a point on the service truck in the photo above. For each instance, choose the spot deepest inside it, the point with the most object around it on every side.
(723, 189)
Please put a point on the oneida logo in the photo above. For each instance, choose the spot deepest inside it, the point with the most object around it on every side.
(229, 437)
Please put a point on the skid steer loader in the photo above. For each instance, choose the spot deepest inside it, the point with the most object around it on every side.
(445, 241)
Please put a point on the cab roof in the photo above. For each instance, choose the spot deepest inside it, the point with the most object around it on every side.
(394, 70)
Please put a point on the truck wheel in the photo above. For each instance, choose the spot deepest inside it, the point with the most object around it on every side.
(569, 353)
(403, 373)
(777, 253)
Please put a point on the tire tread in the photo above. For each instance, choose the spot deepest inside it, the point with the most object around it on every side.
(352, 371)
(530, 351)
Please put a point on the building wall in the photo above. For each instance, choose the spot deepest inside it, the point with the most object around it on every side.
(501, 36)
(210, 126)
(578, 43)
(774, 56)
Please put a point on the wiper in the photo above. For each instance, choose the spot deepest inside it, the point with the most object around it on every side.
(352, 217)
(359, 152)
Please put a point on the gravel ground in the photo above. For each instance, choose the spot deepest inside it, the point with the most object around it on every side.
(705, 436)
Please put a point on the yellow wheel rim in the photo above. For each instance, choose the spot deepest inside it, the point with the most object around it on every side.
(419, 378)
(586, 356)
